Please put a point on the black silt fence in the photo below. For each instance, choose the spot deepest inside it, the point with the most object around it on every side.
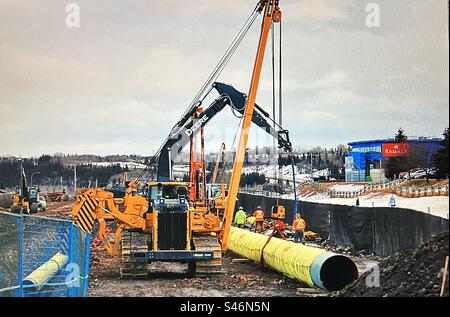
(381, 230)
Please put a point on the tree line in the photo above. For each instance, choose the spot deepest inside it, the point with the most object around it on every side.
(48, 170)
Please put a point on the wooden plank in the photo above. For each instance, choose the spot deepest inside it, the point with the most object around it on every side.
(444, 277)
(310, 290)
(243, 260)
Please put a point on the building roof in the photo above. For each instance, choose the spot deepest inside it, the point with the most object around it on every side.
(392, 140)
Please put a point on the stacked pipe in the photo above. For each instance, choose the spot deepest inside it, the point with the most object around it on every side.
(313, 266)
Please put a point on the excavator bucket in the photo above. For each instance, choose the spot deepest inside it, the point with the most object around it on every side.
(83, 212)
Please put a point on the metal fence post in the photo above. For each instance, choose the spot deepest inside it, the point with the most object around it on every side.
(87, 254)
(70, 251)
(20, 290)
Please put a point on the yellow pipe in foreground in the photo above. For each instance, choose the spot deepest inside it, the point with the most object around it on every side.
(313, 266)
(46, 271)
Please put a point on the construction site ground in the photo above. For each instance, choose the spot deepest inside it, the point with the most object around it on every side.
(240, 277)
(418, 272)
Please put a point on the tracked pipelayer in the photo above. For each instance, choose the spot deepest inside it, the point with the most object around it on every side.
(182, 221)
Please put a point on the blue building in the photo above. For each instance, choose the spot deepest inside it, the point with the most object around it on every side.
(365, 161)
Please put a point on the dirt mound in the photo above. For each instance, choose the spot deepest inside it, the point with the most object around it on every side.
(58, 210)
(412, 273)
(346, 250)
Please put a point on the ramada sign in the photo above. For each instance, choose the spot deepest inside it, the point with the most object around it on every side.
(395, 149)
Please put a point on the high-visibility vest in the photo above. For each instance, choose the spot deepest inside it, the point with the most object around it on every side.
(240, 217)
(299, 224)
(259, 215)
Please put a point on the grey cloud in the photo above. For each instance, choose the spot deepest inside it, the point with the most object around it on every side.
(120, 81)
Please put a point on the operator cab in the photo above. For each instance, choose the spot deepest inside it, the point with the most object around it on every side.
(168, 196)
(32, 194)
(169, 203)
(215, 190)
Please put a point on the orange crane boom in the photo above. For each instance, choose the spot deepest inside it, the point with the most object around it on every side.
(272, 14)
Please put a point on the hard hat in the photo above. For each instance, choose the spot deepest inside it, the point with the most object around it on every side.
(241, 208)
(259, 207)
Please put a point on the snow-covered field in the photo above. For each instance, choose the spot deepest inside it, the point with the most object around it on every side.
(436, 205)
(284, 173)
(131, 165)
(268, 170)
(348, 188)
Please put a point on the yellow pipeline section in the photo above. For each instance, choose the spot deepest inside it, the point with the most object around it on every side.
(46, 271)
(313, 266)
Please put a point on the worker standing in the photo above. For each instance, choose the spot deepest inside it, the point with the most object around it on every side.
(259, 216)
(240, 217)
(299, 227)
(392, 202)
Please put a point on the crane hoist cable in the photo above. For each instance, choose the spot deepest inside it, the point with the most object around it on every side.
(280, 81)
(200, 96)
(221, 64)
(274, 93)
(196, 102)
(275, 170)
(280, 114)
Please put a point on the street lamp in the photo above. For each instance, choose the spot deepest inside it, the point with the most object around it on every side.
(31, 178)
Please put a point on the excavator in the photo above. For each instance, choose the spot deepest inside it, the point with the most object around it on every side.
(26, 201)
(186, 132)
(166, 220)
(187, 129)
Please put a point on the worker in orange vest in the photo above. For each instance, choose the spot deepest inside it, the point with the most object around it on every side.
(299, 227)
(259, 215)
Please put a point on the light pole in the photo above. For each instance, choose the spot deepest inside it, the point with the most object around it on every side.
(75, 180)
(31, 178)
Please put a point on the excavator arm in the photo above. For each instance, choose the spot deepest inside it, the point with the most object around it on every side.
(229, 96)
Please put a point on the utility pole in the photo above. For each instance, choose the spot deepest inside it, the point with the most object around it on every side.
(75, 180)
(20, 177)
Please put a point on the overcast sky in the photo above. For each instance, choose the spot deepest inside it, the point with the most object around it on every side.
(119, 82)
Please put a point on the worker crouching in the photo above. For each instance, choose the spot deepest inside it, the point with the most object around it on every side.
(240, 218)
(259, 217)
(299, 227)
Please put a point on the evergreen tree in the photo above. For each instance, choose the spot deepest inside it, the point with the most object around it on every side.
(400, 136)
(441, 158)
(397, 164)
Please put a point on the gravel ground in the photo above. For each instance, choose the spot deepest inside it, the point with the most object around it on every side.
(172, 279)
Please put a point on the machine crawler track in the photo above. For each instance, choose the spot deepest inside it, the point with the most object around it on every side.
(133, 242)
(206, 268)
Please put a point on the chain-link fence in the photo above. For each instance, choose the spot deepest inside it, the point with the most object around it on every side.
(42, 257)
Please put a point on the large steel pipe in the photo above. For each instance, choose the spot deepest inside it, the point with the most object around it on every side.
(313, 266)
